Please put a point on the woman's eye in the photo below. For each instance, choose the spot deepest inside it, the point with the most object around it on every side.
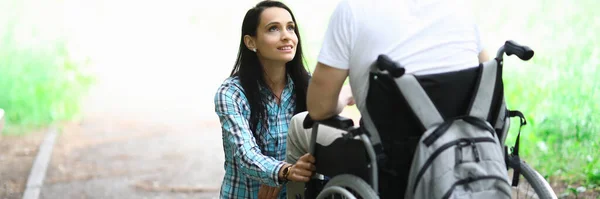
(273, 28)
(290, 28)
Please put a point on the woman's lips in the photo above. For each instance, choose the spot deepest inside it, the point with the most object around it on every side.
(287, 48)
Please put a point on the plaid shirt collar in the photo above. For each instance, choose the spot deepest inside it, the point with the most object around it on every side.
(286, 94)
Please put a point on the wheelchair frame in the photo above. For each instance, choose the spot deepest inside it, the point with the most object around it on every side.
(541, 187)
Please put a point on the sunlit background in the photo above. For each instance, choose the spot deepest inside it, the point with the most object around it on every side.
(157, 64)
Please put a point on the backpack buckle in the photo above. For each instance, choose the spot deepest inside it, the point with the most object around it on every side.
(459, 151)
(353, 132)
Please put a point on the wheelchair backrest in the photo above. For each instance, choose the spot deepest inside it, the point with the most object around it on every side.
(451, 95)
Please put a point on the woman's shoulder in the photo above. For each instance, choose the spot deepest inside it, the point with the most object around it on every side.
(230, 87)
(230, 94)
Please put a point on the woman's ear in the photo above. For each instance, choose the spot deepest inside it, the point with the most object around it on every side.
(250, 43)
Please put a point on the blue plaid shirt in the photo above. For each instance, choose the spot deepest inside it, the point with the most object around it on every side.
(246, 165)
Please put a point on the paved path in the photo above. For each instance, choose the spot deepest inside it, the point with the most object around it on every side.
(141, 139)
(146, 140)
(116, 159)
(149, 129)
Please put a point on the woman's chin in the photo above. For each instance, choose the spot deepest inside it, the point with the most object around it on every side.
(282, 58)
(286, 59)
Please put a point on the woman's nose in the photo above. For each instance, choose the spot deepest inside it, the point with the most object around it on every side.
(285, 35)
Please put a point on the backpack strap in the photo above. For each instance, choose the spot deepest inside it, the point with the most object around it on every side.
(419, 101)
(514, 159)
(482, 100)
(502, 114)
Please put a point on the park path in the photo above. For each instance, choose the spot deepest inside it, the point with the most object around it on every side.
(148, 128)
(145, 133)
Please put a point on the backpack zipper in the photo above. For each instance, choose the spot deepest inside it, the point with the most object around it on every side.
(442, 128)
(470, 180)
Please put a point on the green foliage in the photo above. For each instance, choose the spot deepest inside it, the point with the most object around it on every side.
(558, 92)
(40, 82)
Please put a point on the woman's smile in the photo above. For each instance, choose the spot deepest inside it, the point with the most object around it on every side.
(286, 49)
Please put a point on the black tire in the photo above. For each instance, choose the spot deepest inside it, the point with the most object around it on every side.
(541, 187)
(349, 182)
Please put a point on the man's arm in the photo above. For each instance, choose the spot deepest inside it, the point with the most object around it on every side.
(323, 96)
(483, 56)
(324, 99)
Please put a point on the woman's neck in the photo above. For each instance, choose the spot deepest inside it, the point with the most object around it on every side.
(275, 76)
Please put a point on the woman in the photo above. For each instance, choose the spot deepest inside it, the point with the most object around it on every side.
(255, 104)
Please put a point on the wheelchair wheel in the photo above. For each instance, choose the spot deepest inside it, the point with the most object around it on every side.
(533, 186)
(347, 186)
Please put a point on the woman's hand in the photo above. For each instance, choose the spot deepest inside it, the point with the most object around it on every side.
(303, 169)
(268, 192)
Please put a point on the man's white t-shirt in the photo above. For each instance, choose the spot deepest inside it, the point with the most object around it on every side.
(424, 36)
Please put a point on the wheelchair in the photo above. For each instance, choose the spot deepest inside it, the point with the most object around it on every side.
(372, 160)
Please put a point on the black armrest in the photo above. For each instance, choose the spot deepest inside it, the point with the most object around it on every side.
(337, 121)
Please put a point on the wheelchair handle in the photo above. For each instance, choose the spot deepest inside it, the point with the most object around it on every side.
(513, 48)
(384, 63)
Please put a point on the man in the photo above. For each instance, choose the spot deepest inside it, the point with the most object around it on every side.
(424, 36)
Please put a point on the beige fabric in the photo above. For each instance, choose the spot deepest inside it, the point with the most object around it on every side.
(298, 143)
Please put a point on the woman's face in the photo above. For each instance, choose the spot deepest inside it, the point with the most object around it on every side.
(275, 37)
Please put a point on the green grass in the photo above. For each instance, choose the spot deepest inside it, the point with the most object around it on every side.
(558, 91)
(40, 82)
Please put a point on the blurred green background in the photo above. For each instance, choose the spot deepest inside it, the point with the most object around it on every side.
(41, 79)
(48, 49)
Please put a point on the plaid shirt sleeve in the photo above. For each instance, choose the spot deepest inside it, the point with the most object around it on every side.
(233, 110)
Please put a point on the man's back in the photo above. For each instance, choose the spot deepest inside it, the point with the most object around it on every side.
(426, 36)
